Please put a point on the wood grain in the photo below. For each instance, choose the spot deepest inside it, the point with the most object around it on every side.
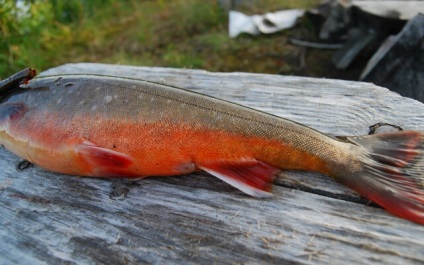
(47, 218)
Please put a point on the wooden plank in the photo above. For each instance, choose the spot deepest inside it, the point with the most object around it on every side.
(52, 218)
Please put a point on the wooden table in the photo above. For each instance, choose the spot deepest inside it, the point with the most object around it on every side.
(58, 219)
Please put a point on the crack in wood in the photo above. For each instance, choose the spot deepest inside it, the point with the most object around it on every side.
(339, 196)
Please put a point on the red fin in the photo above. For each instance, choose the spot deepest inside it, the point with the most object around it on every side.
(393, 172)
(105, 162)
(250, 176)
(11, 111)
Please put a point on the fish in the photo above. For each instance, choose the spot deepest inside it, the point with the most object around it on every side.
(111, 126)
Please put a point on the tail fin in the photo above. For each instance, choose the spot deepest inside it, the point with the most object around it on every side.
(393, 172)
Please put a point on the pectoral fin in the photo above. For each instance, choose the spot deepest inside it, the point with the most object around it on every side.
(105, 162)
(250, 176)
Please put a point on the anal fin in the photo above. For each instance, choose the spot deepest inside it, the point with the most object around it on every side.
(250, 176)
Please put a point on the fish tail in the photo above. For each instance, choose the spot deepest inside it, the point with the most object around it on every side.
(391, 172)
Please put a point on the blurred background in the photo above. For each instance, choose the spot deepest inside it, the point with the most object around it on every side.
(178, 33)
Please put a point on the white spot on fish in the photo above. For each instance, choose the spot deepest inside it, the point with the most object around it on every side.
(94, 108)
(152, 99)
(81, 102)
(108, 99)
(59, 100)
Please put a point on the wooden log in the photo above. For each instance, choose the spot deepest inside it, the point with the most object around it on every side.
(52, 218)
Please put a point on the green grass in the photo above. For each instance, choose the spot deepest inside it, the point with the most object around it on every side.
(178, 33)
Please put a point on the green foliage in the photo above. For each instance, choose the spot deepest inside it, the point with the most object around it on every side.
(67, 11)
(17, 28)
(178, 33)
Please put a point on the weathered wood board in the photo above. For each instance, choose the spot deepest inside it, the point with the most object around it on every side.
(48, 218)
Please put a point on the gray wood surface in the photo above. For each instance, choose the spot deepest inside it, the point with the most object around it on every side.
(47, 218)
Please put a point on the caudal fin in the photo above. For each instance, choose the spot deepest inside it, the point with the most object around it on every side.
(393, 172)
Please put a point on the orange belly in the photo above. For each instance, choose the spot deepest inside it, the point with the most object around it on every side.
(108, 148)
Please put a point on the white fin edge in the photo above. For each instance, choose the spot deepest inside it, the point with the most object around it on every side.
(239, 185)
